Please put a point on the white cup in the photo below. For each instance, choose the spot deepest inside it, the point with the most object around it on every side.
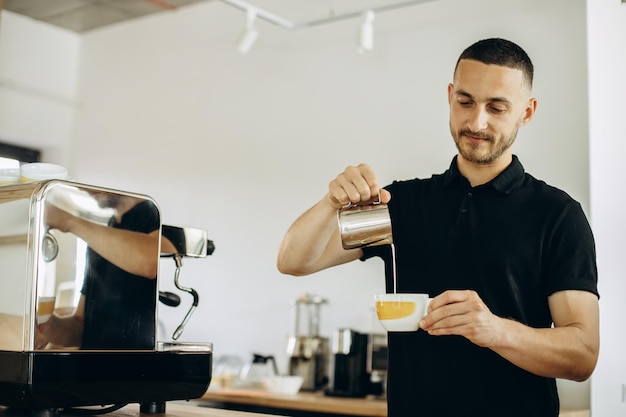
(9, 176)
(39, 171)
(401, 312)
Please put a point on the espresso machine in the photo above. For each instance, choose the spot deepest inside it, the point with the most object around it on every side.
(63, 345)
(307, 350)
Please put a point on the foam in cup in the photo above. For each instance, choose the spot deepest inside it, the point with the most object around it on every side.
(401, 312)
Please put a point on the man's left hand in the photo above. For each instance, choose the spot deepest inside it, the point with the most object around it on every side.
(462, 313)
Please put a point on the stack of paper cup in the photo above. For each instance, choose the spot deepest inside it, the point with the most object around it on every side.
(39, 171)
(9, 176)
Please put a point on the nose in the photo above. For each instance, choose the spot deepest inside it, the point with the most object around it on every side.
(478, 119)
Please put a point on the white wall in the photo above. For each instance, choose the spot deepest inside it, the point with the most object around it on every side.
(241, 145)
(607, 83)
(38, 73)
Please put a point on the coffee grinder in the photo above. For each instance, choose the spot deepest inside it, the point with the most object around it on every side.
(308, 351)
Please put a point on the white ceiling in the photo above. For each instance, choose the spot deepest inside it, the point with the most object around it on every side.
(85, 15)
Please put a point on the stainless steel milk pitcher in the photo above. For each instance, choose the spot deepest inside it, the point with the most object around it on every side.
(367, 225)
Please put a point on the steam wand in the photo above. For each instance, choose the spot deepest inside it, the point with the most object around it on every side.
(196, 298)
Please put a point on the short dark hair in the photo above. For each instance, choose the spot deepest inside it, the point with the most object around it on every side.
(497, 51)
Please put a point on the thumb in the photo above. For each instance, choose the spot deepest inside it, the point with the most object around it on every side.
(385, 196)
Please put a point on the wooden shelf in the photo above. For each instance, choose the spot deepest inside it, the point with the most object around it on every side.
(13, 240)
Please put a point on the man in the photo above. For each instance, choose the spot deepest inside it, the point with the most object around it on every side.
(509, 260)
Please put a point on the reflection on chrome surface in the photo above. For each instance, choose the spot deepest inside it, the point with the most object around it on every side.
(80, 266)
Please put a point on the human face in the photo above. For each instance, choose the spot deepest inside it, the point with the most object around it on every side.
(488, 104)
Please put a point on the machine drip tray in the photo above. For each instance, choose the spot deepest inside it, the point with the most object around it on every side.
(52, 380)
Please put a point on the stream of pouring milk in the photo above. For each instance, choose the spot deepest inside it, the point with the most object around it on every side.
(393, 266)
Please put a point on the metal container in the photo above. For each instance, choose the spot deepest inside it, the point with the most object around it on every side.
(361, 226)
(307, 350)
(308, 358)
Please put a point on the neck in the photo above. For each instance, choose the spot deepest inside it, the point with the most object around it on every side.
(478, 174)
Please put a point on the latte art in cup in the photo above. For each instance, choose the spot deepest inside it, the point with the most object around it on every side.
(401, 312)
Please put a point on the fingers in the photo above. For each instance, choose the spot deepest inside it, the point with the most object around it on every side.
(451, 297)
(453, 309)
(356, 184)
(463, 313)
(385, 196)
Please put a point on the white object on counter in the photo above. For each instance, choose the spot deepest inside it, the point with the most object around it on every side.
(286, 384)
(9, 176)
(38, 171)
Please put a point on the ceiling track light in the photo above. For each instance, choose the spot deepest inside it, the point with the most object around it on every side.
(250, 33)
(287, 24)
(366, 33)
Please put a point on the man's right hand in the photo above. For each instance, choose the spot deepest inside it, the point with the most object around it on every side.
(313, 242)
(356, 185)
(57, 218)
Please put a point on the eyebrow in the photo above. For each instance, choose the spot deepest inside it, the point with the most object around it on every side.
(491, 99)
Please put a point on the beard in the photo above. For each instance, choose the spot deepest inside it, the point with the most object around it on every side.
(476, 152)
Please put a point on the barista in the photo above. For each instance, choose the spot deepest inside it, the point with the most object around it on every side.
(510, 261)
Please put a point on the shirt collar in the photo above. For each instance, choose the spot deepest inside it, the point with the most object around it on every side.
(505, 182)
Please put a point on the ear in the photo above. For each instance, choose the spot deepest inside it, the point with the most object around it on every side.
(529, 111)
(450, 89)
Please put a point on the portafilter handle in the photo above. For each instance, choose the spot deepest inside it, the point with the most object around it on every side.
(169, 298)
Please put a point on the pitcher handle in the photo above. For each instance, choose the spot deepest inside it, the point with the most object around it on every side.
(351, 204)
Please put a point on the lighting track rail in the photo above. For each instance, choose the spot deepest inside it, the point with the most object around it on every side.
(366, 38)
(289, 25)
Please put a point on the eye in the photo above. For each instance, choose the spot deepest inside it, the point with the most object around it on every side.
(497, 109)
(498, 106)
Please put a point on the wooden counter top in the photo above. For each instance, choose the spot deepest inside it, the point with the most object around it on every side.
(315, 402)
(318, 402)
(304, 401)
(171, 410)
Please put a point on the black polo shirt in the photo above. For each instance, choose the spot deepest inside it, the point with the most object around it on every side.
(120, 306)
(515, 241)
